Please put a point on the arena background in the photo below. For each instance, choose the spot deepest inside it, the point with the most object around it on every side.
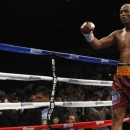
(53, 25)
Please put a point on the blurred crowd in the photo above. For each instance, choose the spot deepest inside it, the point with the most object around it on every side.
(26, 92)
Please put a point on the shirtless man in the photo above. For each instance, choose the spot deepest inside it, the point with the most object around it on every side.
(121, 81)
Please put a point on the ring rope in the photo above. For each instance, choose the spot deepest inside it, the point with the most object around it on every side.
(25, 50)
(23, 77)
(28, 105)
(92, 124)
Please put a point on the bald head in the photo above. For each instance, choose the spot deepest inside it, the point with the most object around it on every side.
(126, 6)
(125, 14)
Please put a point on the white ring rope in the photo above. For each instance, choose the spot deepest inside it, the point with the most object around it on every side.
(23, 77)
(28, 105)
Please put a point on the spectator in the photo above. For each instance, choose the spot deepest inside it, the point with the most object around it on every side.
(32, 98)
(38, 116)
(8, 118)
(104, 112)
(72, 119)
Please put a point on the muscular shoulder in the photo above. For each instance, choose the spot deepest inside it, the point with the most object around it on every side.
(117, 32)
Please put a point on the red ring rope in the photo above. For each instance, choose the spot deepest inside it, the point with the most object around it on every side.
(92, 124)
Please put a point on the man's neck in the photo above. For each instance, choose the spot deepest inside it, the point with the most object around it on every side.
(127, 27)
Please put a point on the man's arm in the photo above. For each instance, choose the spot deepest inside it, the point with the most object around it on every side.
(87, 31)
(104, 42)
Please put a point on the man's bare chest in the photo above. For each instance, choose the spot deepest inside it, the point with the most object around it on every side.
(123, 40)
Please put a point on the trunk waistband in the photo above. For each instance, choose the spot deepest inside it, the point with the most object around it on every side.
(123, 70)
(123, 64)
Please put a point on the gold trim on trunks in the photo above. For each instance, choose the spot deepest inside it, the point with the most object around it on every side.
(123, 70)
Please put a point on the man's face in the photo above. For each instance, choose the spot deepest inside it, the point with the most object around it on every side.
(125, 14)
(71, 119)
(42, 98)
(34, 99)
(58, 99)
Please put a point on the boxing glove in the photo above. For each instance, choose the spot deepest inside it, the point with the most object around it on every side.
(87, 30)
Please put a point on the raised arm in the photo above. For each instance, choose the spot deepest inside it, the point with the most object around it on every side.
(87, 30)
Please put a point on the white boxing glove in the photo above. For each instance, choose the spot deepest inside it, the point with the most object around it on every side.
(87, 30)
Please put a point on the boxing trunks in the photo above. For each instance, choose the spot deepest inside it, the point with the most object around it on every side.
(121, 86)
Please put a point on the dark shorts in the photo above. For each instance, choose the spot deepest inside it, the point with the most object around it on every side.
(121, 87)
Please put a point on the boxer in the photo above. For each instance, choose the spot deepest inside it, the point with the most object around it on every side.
(121, 81)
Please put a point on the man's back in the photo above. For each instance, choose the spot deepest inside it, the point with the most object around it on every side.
(34, 117)
(7, 118)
